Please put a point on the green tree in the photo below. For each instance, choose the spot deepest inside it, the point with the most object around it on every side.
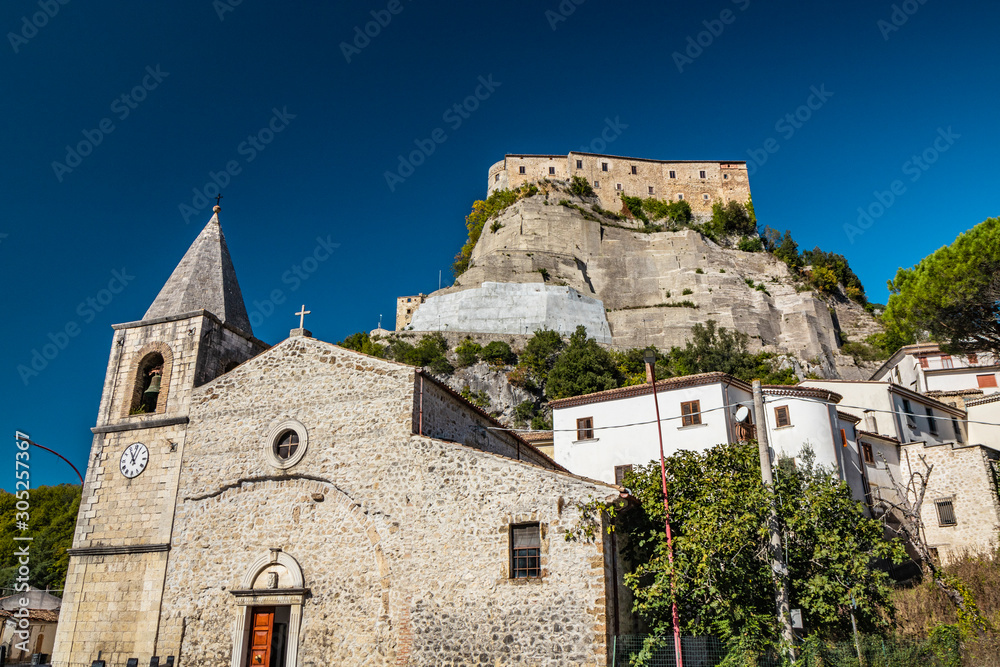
(468, 352)
(53, 511)
(717, 349)
(540, 354)
(824, 279)
(788, 252)
(581, 187)
(498, 353)
(583, 367)
(429, 352)
(952, 295)
(731, 218)
(721, 578)
(362, 342)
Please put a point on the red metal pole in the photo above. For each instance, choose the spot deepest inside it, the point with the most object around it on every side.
(670, 540)
(32, 442)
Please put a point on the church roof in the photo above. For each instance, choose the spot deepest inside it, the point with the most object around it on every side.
(204, 280)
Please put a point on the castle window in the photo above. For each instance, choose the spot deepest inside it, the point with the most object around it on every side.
(148, 384)
(597, 184)
(579, 164)
(945, 512)
(585, 428)
(525, 551)
(286, 445)
(701, 174)
(618, 187)
(650, 189)
(604, 166)
(496, 177)
(989, 380)
(680, 196)
(673, 174)
(690, 413)
(781, 417)
(705, 197)
(552, 170)
(634, 170)
(725, 177)
(620, 473)
(520, 170)
(869, 455)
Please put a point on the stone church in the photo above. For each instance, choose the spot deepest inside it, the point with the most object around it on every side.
(307, 505)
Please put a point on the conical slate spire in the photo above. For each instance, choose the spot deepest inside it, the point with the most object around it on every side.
(204, 280)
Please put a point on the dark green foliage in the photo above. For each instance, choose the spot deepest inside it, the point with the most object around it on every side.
(723, 580)
(540, 354)
(524, 412)
(751, 244)
(580, 187)
(632, 365)
(498, 353)
(719, 349)
(53, 511)
(583, 367)
(480, 399)
(468, 352)
(362, 342)
(731, 218)
(953, 294)
(541, 422)
(657, 209)
(634, 206)
(839, 268)
(429, 352)
(788, 252)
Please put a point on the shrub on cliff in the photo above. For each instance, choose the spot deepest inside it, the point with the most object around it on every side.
(483, 211)
(581, 187)
(583, 368)
(498, 353)
(468, 352)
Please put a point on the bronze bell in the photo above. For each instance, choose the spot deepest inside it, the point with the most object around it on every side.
(154, 385)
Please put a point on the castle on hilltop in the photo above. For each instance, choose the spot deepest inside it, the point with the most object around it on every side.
(700, 183)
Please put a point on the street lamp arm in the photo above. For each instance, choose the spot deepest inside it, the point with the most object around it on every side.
(32, 442)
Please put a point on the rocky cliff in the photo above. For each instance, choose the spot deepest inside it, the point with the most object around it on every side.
(653, 286)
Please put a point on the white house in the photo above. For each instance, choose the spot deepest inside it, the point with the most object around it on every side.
(925, 368)
(600, 435)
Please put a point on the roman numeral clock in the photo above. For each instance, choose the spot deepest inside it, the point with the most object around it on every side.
(134, 460)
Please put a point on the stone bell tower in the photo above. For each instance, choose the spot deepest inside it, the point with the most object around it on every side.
(196, 329)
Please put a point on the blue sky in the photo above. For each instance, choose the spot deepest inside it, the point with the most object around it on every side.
(93, 183)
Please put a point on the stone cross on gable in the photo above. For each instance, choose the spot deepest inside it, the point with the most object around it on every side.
(302, 316)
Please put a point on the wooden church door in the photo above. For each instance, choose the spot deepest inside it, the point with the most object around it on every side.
(261, 631)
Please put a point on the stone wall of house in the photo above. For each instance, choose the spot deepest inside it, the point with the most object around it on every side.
(402, 539)
(965, 476)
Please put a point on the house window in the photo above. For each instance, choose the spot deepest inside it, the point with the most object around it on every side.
(585, 428)
(874, 424)
(620, 474)
(945, 512)
(924, 363)
(946, 361)
(908, 414)
(987, 380)
(931, 421)
(959, 437)
(650, 189)
(781, 417)
(866, 449)
(633, 170)
(286, 445)
(579, 164)
(618, 187)
(604, 166)
(843, 437)
(701, 174)
(525, 551)
(552, 170)
(973, 359)
(520, 170)
(673, 174)
(690, 413)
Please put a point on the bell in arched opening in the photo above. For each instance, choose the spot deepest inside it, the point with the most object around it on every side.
(152, 391)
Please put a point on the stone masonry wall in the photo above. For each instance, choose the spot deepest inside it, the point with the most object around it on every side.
(964, 475)
(403, 540)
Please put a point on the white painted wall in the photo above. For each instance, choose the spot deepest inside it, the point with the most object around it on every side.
(967, 378)
(983, 434)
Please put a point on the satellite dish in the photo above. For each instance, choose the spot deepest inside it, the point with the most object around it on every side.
(742, 414)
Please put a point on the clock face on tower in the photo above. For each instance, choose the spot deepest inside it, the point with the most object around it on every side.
(134, 460)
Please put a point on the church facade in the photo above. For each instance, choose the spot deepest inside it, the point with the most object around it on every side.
(308, 505)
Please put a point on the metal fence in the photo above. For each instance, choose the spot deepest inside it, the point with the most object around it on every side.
(710, 652)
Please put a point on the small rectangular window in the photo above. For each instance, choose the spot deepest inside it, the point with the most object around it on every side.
(579, 164)
(673, 174)
(843, 437)
(973, 359)
(931, 421)
(552, 170)
(781, 417)
(701, 174)
(908, 414)
(987, 380)
(924, 363)
(496, 177)
(690, 413)
(946, 361)
(585, 428)
(705, 197)
(620, 474)
(604, 166)
(633, 170)
(520, 170)
(618, 187)
(650, 189)
(525, 551)
(945, 512)
(725, 177)
(597, 184)
(869, 455)
(680, 197)
(959, 436)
